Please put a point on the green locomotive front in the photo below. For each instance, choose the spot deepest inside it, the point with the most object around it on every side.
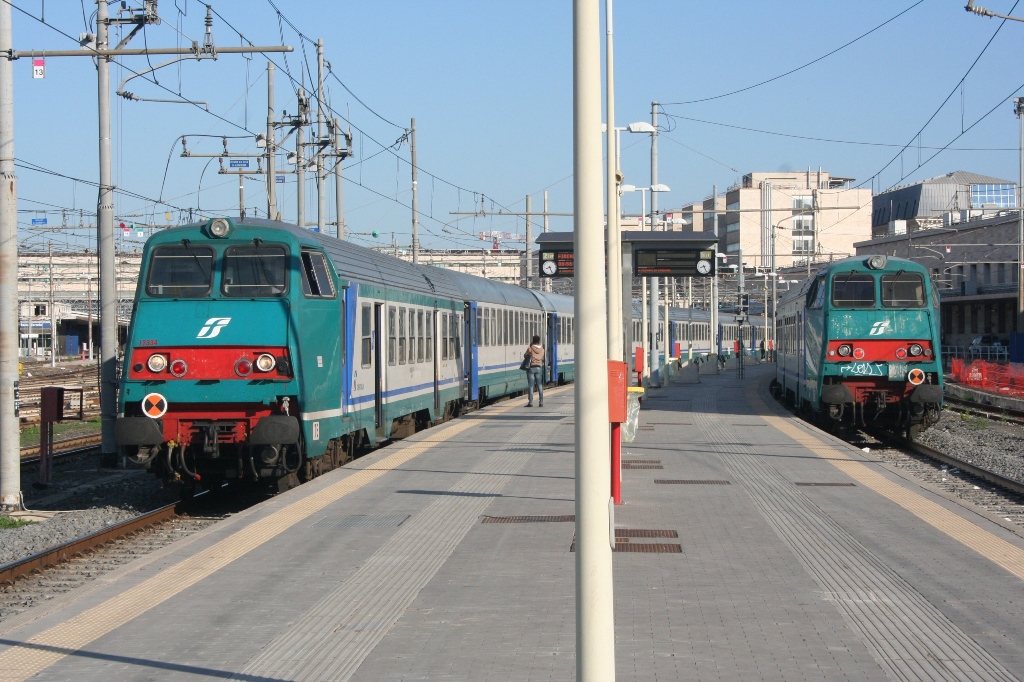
(213, 379)
(859, 346)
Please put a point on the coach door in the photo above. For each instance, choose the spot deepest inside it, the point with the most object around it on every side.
(378, 365)
(552, 347)
(472, 354)
(435, 356)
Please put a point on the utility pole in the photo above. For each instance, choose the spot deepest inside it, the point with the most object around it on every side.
(321, 197)
(529, 241)
(614, 249)
(415, 199)
(655, 288)
(300, 162)
(105, 244)
(714, 280)
(10, 429)
(271, 146)
(88, 297)
(53, 313)
(595, 626)
(547, 280)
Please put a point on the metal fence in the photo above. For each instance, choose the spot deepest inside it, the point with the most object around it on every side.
(997, 354)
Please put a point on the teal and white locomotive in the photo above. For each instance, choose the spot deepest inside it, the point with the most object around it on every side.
(858, 345)
(259, 351)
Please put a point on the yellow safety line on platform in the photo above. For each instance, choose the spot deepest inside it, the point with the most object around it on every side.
(972, 536)
(22, 661)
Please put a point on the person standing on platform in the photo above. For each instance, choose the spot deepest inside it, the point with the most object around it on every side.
(762, 349)
(535, 375)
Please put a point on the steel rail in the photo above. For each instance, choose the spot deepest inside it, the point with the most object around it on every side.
(55, 555)
(1010, 484)
(31, 452)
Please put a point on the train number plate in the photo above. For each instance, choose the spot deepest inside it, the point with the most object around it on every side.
(897, 371)
(862, 369)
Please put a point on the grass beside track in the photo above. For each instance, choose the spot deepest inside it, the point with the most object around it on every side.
(68, 429)
(7, 523)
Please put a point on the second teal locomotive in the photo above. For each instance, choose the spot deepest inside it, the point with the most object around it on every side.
(859, 346)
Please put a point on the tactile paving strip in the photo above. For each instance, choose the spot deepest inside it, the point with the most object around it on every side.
(334, 637)
(905, 633)
(360, 521)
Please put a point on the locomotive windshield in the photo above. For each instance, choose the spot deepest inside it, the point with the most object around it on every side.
(180, 271)
(853, 290)
(903, 290)
(257, 270)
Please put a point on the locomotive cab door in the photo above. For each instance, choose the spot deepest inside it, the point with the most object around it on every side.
(378, 365)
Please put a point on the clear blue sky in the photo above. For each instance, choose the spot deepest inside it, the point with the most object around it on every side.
(490, 86)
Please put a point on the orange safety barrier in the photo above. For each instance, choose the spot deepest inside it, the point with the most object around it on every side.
(989, 376)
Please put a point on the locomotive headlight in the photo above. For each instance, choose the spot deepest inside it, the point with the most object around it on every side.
(156, 363)
(845, 350)
(265, 362)
(916, 350)
(876, 262)
(243, 367)
(179, 367)
(219, 227)
(858, 353)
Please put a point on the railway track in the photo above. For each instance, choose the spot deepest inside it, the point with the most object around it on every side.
(63, 448)
(1000, 494)
(985, 411)
(50, 573)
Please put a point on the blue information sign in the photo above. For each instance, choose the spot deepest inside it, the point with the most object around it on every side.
(39, 221)
(279, 178)
(239, 163)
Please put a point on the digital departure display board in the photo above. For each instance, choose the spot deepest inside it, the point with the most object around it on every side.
(673, 263)
(557, 264)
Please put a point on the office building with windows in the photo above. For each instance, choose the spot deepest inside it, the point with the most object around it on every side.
(784, 219)
(940, 202)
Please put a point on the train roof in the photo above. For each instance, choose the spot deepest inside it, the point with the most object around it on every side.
(892, 264)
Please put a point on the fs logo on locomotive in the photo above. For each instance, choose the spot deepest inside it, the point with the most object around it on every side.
(214, 325)
(879, 328)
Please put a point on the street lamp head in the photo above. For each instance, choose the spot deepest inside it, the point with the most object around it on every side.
(660, 188)
(627, 188)
(641, 127)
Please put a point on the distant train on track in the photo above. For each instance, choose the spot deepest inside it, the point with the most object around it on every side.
(859, 345)
(263, 352)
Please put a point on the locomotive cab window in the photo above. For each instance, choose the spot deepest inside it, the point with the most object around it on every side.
(180, 271)
(816, 296)
(255, 271)
(903, 290)
(853, 290)
(316, 278)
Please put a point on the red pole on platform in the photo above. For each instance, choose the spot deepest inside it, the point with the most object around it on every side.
(616, 463)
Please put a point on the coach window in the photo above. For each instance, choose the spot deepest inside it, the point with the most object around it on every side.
(392, 335)
(816, 296)
(444, 336)
(180, 271)
(430, 337)
(853, 290)
(401, 336)
(255, 271)
(366, 346)
(420, 344)
(316, 278)
(903, 290)
(456, 349)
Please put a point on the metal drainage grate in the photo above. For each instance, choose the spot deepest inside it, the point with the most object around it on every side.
(646, 427)
(688, 482)
(566, 518)
(649, 548)
(361, 521)
(828, 485)
(625, 465)
(644, 533)
(641, 461)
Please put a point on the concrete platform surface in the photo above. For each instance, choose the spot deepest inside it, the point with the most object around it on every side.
(751, 546)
